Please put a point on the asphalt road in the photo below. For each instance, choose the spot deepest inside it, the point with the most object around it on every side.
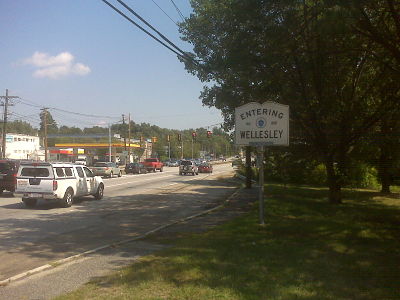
(132, 206)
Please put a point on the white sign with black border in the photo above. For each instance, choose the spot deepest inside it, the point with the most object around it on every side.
(265, 124)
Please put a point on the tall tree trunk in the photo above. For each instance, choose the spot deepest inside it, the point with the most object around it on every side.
(384, 157)
(335, 191)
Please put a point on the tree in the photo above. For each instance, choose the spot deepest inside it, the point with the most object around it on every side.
(379, 22)
(21, 127)
(305, 54)
(47, 118)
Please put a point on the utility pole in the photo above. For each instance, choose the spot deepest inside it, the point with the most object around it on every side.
(6, 104)
(123, 130)
(129, 137)
(45, 132)
(109, 142)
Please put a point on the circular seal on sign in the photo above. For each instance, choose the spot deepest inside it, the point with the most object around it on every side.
(260, 122)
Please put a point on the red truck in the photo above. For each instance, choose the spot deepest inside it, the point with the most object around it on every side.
(153, 164)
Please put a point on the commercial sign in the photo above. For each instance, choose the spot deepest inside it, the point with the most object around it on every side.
(262, 124)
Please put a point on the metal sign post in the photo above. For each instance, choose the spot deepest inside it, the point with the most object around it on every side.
(261, 183)
(260, 125)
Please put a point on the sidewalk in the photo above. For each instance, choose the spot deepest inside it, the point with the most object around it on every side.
(69, 276)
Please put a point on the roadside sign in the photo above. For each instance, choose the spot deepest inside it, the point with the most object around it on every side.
(265, 124)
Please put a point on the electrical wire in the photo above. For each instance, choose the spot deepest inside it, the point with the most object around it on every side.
(182, 55)
(165, 13)
(25, 102)
(155, 30)
(25, 118)
(178, 10)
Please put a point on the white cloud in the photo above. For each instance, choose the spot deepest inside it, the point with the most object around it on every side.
(55, 67)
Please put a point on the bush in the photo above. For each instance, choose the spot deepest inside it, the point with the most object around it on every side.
(318, 175)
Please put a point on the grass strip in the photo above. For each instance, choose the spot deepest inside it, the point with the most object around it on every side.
(308, 249)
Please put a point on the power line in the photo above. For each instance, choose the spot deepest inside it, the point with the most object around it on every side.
(22, 101)
(155, 30)
(182, 55)
(29, 118)
(178, 10)
(165, 13)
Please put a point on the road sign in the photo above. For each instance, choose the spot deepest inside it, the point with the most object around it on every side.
(265, 124)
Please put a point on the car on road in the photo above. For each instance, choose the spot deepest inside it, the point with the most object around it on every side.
(8, 173)
(174, 163)
(237, 163)
(153, 164)
(205, 168)
(106, 169)
(135, 168)
(60, 182)
(188, 167)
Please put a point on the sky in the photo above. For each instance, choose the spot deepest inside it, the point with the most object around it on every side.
(82, 57)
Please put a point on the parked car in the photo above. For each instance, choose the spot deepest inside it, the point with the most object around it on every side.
(8, 173)
(135, 168)
(205, 168)
(56, 181)
(188, 167)
(107, 169)
(153, 164)
(174, 163)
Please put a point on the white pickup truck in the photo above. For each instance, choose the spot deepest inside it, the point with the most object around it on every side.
(56, 181)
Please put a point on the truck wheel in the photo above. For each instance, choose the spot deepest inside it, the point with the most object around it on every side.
(161, 169)
(154, 170)
(100, 192)
(29, 202)
(1, 191)
(68, 198)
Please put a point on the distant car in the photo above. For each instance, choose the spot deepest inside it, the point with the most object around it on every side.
(205, 168)
(8, 173)
(107, 169)
(135, 168)
(153, 164)
(174, 163)
(81, 161)
(188, 167)
(237, 162)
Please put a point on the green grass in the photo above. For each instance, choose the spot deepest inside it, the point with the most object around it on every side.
(308, 249)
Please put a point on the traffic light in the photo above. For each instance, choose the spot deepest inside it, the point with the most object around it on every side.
(194, 134)
(209, 134)
(154, 139)
(168, 138)
(179, 137)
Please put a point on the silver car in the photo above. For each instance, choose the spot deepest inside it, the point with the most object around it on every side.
(107, 169)
(188, 167)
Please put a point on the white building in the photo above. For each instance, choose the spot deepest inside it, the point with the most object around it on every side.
(21, 146)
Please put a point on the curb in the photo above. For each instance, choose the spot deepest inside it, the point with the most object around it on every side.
(244, 178)
(57, 263)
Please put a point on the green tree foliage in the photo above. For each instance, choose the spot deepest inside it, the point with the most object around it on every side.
(47, 118)
(379, 22)
(306, 54)
(21, 127)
